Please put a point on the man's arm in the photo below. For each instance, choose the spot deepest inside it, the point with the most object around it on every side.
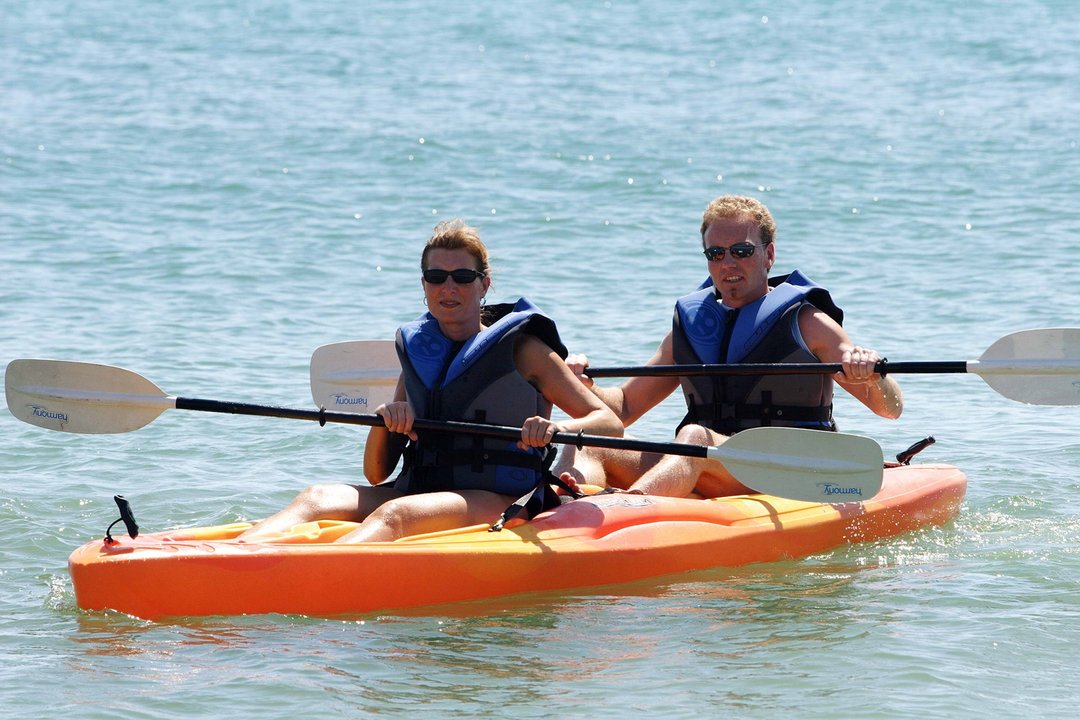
(830, 342)
(637, 395)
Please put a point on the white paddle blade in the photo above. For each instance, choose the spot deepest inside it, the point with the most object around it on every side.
(356, 376)
(810, 465)
(81, 397)
(1038, 367)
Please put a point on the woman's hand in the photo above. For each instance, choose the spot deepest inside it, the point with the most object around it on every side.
(398, 417)
(537, 432)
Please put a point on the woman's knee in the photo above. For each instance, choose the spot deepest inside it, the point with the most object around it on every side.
(393, 515)
(326, 497)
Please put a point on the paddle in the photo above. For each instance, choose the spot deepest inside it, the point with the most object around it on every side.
(800, 464)
(359, 375)
(1038, 367)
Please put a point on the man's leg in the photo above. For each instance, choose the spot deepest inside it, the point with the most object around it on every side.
(679, 476)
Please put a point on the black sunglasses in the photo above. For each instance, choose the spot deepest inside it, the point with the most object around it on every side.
(462, 276)
(738, 250)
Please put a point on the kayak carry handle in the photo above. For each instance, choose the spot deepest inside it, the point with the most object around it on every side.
(126, 516)
(904, 458)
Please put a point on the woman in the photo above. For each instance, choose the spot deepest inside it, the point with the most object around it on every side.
(460, 361)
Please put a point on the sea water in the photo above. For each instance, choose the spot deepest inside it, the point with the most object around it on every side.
(204, 192)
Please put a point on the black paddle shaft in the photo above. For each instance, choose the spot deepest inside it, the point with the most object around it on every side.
(884, 367)
(324, 416)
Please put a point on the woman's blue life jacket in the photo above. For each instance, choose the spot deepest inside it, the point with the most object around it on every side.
(475, 381)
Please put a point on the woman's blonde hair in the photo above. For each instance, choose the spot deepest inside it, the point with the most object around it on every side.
(456, 235)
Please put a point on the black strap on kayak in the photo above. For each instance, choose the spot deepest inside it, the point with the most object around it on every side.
(514, 510)
(536, 503)
(904, 458)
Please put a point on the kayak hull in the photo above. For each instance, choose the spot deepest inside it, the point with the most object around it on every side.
(599, 540)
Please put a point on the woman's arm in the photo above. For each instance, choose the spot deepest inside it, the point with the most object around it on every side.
(386, 443)
(543, 367)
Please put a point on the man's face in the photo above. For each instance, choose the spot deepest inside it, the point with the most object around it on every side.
(739, 280)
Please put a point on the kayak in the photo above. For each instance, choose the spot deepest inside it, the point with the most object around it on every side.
(595, 541)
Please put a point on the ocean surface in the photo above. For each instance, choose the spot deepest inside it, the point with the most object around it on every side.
(206, 191)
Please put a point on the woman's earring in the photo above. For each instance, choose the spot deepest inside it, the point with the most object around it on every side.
(483, 300)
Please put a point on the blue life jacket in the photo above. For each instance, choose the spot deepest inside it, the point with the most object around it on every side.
(704, 331)
(474, 381)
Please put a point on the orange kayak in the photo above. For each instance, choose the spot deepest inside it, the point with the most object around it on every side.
(594, 541)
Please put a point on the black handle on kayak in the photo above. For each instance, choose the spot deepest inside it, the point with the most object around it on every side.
(126, 516)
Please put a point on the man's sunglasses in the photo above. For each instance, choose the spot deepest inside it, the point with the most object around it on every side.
(462, 276)
(738, 250)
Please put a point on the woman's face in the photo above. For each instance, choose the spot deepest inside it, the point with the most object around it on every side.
(450, 302)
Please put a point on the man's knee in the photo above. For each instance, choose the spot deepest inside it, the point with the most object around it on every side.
(582, 465)
(695, 435)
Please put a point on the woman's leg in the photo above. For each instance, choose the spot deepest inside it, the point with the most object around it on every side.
(429, 512)
(336, 501)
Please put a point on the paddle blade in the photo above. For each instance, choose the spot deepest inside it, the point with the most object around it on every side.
(355, 376)
(81, 397)
(1038, 367)
(810, 465)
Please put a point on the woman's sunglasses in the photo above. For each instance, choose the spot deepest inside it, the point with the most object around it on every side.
(739, 250)
(462, 276)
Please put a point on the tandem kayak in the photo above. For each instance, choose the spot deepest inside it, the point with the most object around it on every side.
(594, 541)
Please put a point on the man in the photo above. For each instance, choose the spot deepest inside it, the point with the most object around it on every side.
(739, 317)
